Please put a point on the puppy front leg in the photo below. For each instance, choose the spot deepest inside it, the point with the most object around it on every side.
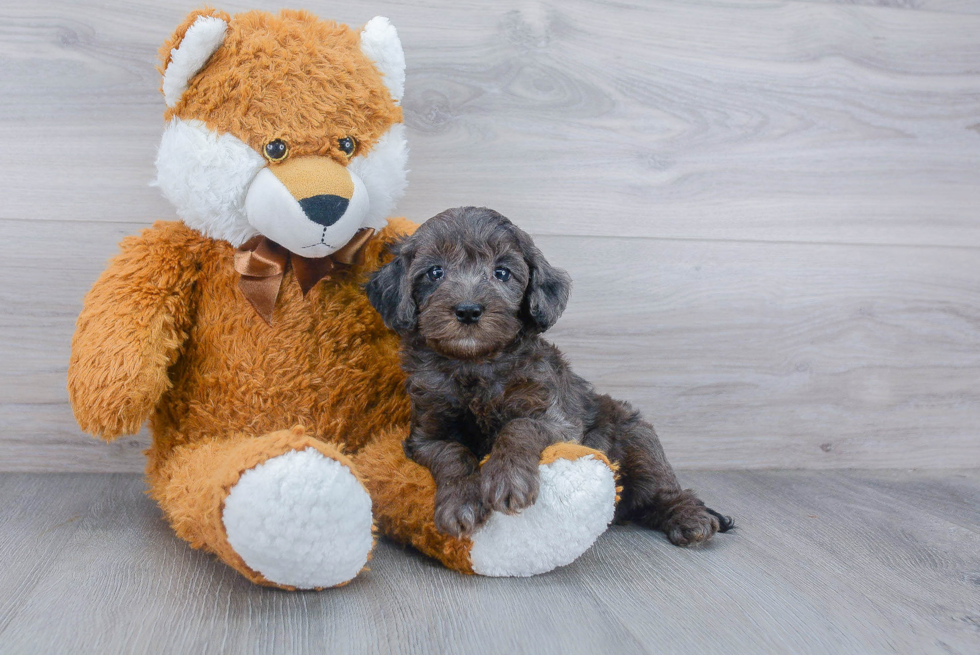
(459, 507)
(510, 475)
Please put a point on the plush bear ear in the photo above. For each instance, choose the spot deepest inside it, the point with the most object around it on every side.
(379, 41)
(188, 50)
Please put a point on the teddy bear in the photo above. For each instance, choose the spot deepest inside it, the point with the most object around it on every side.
(243, 335)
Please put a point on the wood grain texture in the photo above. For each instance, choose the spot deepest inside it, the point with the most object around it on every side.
(769, 120)
(821, 562)
(945, 6)
(769, 208)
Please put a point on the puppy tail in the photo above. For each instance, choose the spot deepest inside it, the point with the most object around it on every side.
(726, 523)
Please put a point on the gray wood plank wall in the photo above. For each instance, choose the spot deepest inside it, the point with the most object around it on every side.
(770, 209)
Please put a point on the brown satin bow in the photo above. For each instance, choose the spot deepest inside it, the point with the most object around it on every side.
(262, 264)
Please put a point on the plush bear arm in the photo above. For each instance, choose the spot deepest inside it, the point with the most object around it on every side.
(131, 329)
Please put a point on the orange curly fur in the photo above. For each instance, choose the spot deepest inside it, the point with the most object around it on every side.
(166, 334)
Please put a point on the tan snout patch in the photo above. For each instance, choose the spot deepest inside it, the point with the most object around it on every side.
(305, 177)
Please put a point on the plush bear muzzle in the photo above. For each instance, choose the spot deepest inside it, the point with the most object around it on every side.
(311, 205)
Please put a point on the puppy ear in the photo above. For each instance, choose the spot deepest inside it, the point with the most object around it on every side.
(547, 290)
(390, 292)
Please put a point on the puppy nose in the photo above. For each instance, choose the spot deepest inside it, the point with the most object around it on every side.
(468, 312)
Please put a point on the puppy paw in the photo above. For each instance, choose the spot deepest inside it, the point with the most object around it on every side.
(692, 523)
(509, 485)
(460, 508)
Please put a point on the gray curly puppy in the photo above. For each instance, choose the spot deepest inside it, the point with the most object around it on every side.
(470, 295)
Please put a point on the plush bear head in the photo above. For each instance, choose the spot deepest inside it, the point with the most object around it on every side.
(284, 126)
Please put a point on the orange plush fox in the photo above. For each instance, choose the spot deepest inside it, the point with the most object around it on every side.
(242, 333)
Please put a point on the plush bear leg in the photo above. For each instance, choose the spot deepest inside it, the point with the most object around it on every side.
(283, 509)
(576, 503)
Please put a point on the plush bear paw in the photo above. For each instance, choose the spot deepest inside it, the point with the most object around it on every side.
(576, 502)
(300, 520)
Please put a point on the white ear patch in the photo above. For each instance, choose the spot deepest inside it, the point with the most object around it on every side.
(379, 41)
(199, 43)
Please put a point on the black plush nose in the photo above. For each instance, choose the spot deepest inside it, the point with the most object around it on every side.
(468, 312)
(324, 210)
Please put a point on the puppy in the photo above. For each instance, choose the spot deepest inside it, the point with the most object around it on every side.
(470, 294)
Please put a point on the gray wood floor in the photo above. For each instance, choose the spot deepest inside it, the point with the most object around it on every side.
(845, 562)
(769, 208)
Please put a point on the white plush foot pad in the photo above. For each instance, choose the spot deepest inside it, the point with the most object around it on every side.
(300, 519)
(576, 503)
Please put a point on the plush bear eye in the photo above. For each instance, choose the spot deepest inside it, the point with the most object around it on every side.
(435, 273)
(347, 145)
(501, 273)
(276, 150)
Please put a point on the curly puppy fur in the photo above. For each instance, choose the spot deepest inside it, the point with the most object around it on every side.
(470, 294)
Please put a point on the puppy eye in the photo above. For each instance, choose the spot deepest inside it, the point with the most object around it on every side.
(435, 273)
(501, 273)
(276, 150)
(347, 145)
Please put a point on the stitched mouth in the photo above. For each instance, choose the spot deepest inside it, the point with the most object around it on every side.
(321, 242)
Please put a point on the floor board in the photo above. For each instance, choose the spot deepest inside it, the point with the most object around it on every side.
(847, 562)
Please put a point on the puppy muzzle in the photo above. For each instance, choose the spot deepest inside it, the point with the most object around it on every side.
(310, 205)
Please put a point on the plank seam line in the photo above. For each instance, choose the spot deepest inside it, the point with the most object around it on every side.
(784, 242)
(638, 237)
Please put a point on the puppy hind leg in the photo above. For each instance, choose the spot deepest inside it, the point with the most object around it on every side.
(651, 494)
